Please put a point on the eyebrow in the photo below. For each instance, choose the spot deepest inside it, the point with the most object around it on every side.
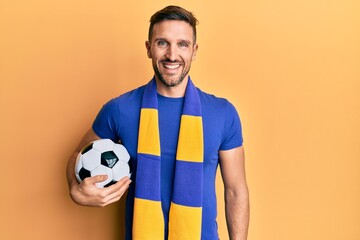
(160, 39)
(164, 39)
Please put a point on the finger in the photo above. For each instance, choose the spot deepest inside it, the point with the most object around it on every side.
(124, 182)
(115, 191)
(96, 179)
(115, 196)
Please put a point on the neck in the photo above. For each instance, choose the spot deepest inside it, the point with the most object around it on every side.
(172, 92)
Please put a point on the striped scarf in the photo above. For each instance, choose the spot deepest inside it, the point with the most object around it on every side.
(186, 202)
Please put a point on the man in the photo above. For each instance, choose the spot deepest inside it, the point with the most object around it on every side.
(176, 136)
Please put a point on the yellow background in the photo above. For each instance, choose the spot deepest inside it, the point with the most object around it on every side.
(291, 68)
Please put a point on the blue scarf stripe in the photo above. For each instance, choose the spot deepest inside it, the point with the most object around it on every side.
(192, 105)
(148, 190)
(149, 99)
(186, 177)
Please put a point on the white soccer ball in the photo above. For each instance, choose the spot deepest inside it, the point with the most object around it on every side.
(103, 157)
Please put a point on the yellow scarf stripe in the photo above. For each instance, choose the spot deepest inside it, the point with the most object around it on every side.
(149, 139)
(149, 220)
(190, 143)
(185, 222)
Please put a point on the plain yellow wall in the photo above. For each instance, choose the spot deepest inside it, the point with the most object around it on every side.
(292, 69)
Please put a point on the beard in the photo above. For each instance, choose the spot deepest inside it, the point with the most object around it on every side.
(169, 83)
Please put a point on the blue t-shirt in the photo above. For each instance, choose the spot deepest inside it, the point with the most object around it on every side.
(119, 121)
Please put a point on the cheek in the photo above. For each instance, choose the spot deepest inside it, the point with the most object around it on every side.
(189, 58)
(157, 55)
(193, 56)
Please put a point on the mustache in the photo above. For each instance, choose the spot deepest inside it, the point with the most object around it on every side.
(171, 61)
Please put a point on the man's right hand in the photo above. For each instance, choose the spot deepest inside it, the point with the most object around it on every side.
(87, 193)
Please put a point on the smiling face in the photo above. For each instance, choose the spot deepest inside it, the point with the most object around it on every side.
(172, 49)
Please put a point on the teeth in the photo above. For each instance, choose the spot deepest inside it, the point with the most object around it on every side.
(172, 66)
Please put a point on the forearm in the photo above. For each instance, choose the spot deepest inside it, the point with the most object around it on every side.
(237, 213)
(72, 181)
(70, 170)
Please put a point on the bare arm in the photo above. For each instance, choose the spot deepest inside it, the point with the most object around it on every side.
(232, 163)
(87, 193)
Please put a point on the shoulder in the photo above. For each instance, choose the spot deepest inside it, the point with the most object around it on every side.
(122, 104)
(118, 112)
(132, 96)
(221, 120)
(128, 100)
(214, 103)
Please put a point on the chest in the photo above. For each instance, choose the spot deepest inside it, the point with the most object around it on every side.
(169, 113)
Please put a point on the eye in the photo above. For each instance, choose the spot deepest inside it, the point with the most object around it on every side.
(161, 43)
(183, 44)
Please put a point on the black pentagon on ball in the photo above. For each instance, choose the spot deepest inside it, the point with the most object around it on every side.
(87, 148)
(110, 183)
(83, 173)
(109, 159)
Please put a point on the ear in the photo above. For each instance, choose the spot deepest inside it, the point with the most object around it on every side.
(195, 48)
(148, 47)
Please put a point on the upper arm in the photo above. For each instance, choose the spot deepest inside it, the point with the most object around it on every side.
(89, 136)
(106, 123)
(232, 165)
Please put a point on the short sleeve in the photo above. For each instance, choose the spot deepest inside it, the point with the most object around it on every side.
(105, 125)
(232, 132)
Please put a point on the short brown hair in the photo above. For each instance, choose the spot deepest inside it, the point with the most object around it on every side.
(173, 13)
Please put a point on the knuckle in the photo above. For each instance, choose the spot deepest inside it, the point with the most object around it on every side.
(86, 181)
(102, 196)
(102, 203)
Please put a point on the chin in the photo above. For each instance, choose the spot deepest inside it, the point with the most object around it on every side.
(170, 82)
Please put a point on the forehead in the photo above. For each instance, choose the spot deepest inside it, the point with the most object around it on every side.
(173, 30)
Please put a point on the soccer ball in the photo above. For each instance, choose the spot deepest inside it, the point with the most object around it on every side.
(103, 157)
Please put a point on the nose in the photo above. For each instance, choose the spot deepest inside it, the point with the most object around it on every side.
(171, 53)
